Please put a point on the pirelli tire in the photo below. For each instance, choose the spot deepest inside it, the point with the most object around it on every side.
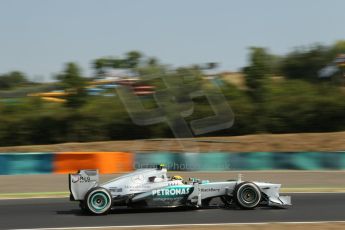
(247, 195)
(98, 201)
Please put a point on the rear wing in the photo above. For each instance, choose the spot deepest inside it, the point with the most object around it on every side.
(81, 182)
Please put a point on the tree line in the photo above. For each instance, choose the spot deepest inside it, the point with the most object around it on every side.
(283, 94)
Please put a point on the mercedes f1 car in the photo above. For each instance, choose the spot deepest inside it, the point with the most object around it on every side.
(153, 188)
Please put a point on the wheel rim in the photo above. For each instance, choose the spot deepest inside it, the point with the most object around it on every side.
(248, 195)
(99, 201)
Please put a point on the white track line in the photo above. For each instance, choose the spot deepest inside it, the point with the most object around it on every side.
(184, 225)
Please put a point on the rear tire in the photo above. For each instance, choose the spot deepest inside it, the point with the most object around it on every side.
(98, 201)
(247, 195)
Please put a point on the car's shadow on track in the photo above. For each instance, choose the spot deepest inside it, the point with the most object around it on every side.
(75, 212)
(117, 211)
(126, 210)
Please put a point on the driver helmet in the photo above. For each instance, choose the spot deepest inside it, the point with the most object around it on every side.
(176, 177)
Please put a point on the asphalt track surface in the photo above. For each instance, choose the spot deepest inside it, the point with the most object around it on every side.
(51, 213)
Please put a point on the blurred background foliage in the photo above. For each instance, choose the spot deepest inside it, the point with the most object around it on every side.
(282, 94)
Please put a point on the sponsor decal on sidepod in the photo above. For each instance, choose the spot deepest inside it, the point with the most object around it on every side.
(172, 192)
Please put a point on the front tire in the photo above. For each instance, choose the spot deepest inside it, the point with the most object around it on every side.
(98, 201)
(247, 195)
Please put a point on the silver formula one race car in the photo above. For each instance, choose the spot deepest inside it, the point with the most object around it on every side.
(145, 188)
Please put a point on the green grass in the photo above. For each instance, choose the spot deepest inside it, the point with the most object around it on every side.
(33, 195)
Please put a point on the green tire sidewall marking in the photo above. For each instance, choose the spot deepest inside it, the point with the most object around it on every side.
(93, 201)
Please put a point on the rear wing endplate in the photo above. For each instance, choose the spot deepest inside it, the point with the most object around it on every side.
(81, 182)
